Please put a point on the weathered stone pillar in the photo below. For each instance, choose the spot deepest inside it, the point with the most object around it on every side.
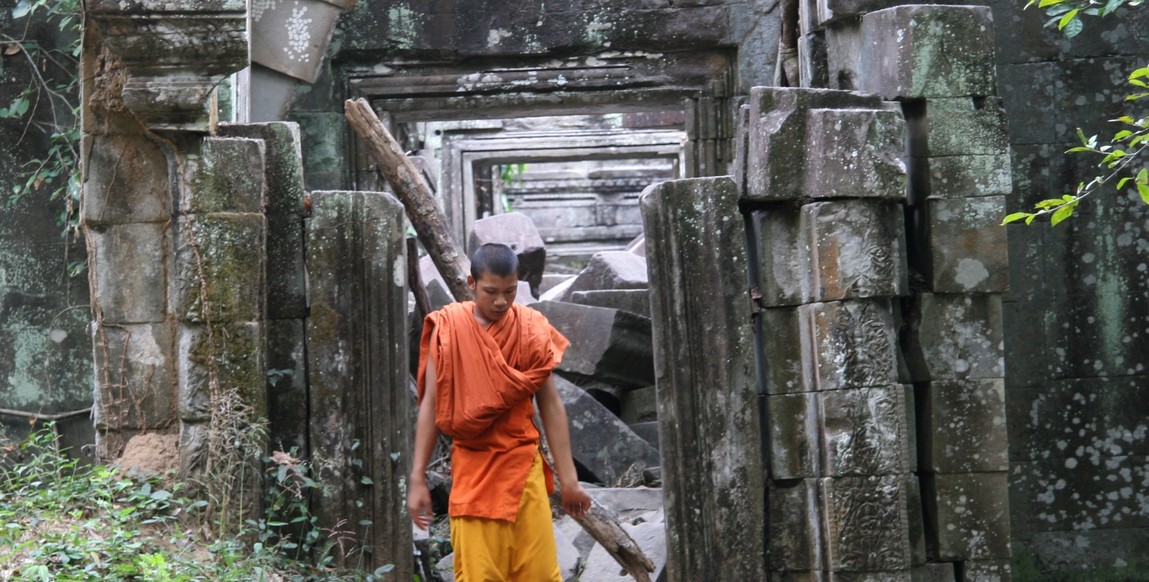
(357, 368)
(959, 175)
(708, 414)
(148, 75)
(824, 179)
(286, 286)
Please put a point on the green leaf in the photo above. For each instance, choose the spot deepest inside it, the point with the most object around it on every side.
(1067, 18)
(1111, 6)
(1016, 216)
(1143, 176)
(1073, 27)
(22, 9)
(1122, 135)
(1050, 203)
(1121, 183)
(1143, 190)
(1137, 74)
(1061, 214)
(366, 481)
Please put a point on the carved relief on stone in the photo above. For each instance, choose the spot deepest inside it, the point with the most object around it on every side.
(876, 506)
(851, 344)
(865, 431)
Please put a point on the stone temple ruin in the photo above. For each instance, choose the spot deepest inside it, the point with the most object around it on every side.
(787, 286)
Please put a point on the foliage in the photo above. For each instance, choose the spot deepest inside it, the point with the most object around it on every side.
(49, 104)
(61, 520)
(1121, 158)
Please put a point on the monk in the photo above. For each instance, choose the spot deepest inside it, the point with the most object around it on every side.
(480, 364)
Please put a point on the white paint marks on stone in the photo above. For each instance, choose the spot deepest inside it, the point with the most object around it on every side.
(298, 34)
(970, 273)
(258, 7)
(496, 36)
(57, 335)
(399, 272)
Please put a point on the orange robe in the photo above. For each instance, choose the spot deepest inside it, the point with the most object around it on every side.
(484, 382)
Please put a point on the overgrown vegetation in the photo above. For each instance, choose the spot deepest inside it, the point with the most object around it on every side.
(1121, 156)
(62, 520)
(48, 104)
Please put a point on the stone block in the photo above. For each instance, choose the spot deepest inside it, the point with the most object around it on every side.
(964, 176)
(738, 167)
(292, 37)
(640, 405)
(219, 358)
(600, 442)
(794, 430)
(523, 295)
(812, 60)
(125, 181)
(777, 145)
(795, 526)
(987, 571)
(1029, 93)
(715, 507)
(855, 153)
(928, 51)
(851, 344)
(433, 282)
(970, 512)
(1097, 489)
(843, 55)
(606, 344)
(963, 427)
(955, 336)
(287, 384)
(517, 231)
(220, 263)
(968, 250)
(962, 126)
(612, 270)
(875, 505)
(226, 175)
(636, 301)
(135, 376)
(855, 249)
(128, 274)
(933, 572)
(648, 431)
(286, 271)
(637, 245)
(864, 431)
(786, 370)
(1067, 550)
(891, 576)
(781, 267)
(283, 162)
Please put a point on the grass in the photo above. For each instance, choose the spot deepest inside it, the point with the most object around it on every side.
(63, 520)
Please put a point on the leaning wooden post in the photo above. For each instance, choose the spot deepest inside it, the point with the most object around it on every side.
(431, 227)
(425, 215)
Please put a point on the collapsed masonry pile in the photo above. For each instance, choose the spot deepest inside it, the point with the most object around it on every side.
(606, 381)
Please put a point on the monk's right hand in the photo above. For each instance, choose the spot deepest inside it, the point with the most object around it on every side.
(419, 503)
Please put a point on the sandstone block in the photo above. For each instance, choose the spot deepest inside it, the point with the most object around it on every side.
(935, 572)
(875, 505)
(612, 270)
(915, 519)
(607, 344)
(129, 281)
(640, 405)
(963, 127)
(864, 431)
(988, 571)
(786, 370)
(220, 263)
(795, 527)
(600, 442)
(955, 336)
(286, 271)
(968, 249)
(219, 359)
(855, 153)
(851, 344)
(226, 175)
(963, 426)
(777, 148)
(433, 282)
(855, 249)
(286, 384)
(714, 507)
(781, 259)
(292, 37)
(738, 167)
(812, 60)
(928, 51)
(283, 162)
(636, 301)
(517, 231)
(794, 430)
(971, 511)
(965, 176)
(891, 576)
(135, 376)
(126, 181)
(830, 11)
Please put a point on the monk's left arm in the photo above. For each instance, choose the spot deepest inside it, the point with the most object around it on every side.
(575, 499)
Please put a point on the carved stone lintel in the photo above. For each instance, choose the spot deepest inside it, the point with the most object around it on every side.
(174, 56)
